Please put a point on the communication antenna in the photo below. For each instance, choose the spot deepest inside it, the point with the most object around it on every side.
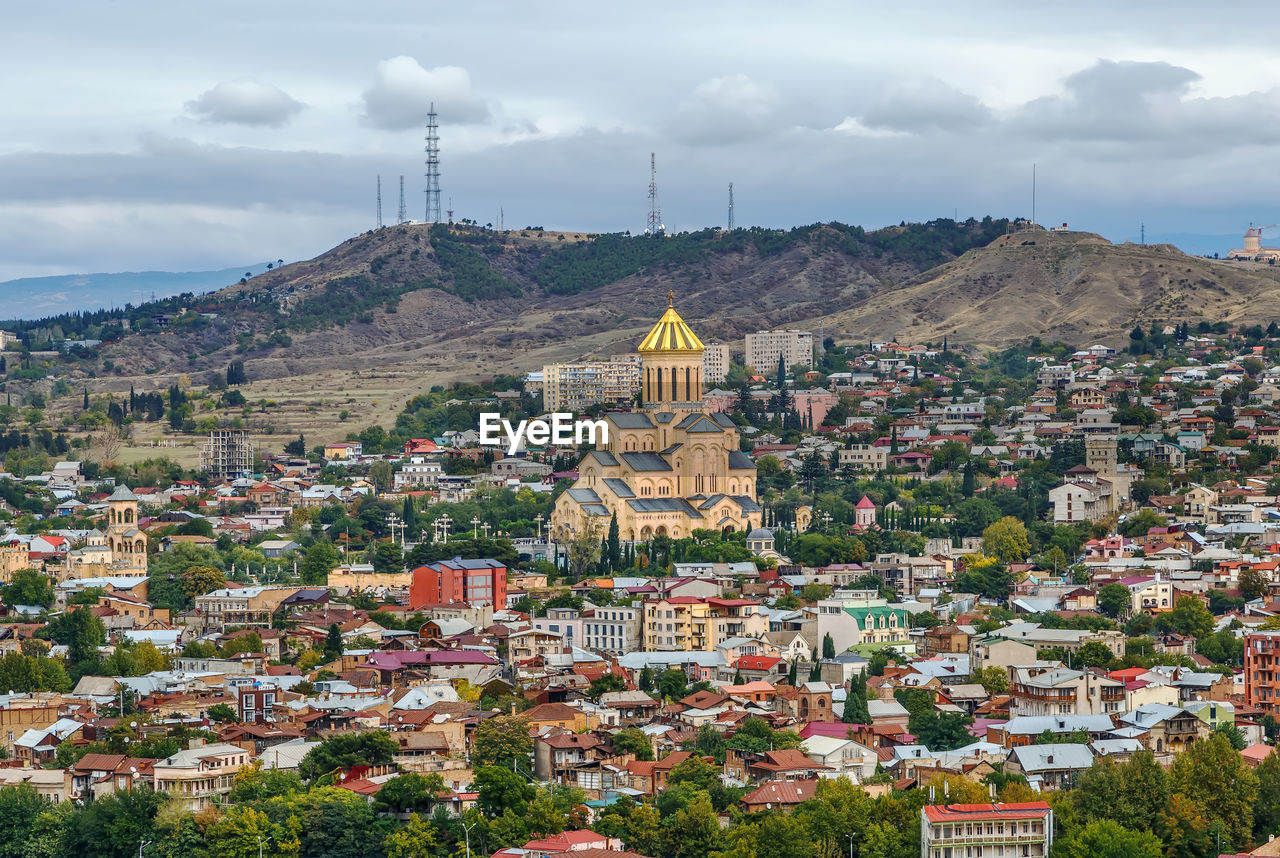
(379, 201)
(502, 220)
(1033, 196)
(450, 209)
(655, 226)
(1143, 232)
(433, 166)
(731, 220)
(402, 216)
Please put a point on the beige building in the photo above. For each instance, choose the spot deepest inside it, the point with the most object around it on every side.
(687, 623)
(13, 557)
(765, 347)
(668, 468)
(577, 386)
(128, 544)
(865, 457)
(240, 606)
(200, 776)
(715, 363)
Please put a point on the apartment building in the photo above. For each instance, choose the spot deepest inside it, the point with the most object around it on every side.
(864, 457)
(577, 386)
(961, 830)
(1060, 691)
(689, 623)
(200, 776)
(1261, 676)
(715, 363)
(417, 473)
(240, 606)
(475, 582)
(765, 347)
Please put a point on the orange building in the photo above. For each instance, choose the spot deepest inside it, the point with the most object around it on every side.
(475, 582)
(1262, 669)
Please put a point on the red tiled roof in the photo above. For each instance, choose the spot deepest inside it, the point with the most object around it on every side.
(1013, 810)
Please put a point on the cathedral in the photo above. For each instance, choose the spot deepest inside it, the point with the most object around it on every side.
(669, 468)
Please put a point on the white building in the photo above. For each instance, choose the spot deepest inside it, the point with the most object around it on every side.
(715, 363)
(765, 347)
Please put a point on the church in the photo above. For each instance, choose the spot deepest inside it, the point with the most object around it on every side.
(668, 468)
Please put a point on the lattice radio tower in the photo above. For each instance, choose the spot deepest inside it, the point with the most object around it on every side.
(655, 226)
(433, 166)
(731, 220)
(379, 201)
(401, 215)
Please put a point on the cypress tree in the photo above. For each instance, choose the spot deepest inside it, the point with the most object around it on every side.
(614, 544)
(828, 646)
(815, 675)
(791, 674)
(855, 705)
(86, 399)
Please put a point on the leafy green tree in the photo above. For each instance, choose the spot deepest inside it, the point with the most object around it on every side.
(333, 643)
(415, 839)
(1184, 829)
(1190, 617)
(113, 826)
(500, 789)
(1266, 808)
(20, 806)
(253, 783)
(317, 562)
(1094, 654)
(673, 684)
(995, 680)
(1213, 775)
(632, 740)
(1232, 734)
(1253, 584)
(1114, 599)
(1006, 540)
(500, 740)
(1102, 838)
(344, 750)
(81, 632)
(694, 830)
(29, 587)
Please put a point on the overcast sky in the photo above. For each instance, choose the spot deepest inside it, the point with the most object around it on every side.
(162, 135)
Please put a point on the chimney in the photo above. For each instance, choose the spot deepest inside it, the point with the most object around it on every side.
(1049, 759)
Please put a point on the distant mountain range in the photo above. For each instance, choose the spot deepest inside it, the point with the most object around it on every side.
(36, 297)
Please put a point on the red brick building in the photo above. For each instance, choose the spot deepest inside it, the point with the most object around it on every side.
(476, 582)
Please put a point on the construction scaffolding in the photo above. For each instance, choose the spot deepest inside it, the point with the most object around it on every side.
(228, 454)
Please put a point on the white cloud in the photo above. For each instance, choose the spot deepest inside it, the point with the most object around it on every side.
(931, 106)
(725, 110)
(403, 91)
(244, 102)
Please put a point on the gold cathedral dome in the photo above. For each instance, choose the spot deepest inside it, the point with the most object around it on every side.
(671, 334)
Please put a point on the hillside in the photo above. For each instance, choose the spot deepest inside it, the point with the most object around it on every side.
(35, 297)
(387, 314)
(1075, 287)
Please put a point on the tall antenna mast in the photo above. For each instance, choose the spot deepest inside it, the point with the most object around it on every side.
(433, 166)
(379, 201)
(402, 216)
(655, 226)
(731, 221)
(1143, 227)
(1033, 195)
(502, 219)
(450, 209)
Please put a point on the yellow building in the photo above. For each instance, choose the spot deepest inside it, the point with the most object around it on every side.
(127, 543)
(669, 468)
(684, 623)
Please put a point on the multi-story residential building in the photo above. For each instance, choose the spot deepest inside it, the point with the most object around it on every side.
(715, 363)
(417, 473)
(227, 454)
(856, 617)
(476, 582)
(690, 623)
(240, 606)
(575, 387)
(1060, 691)
(1262, 669)
(960, 830)
(615, 630)
(865, 457)
(200, 776)
(765, 347)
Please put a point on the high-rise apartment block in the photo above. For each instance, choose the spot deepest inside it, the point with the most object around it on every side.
(765, 347)
(576, 386)
(228, 454)
(715, 363)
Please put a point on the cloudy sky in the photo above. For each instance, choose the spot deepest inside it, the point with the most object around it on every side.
(161, 135)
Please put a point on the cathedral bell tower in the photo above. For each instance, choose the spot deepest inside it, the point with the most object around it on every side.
(671, 365)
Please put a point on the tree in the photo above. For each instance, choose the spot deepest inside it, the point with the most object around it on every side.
(222, 712)
(409, 793)
(694, 830)
(333, 643)
(1232, 734)
(1190, 617)
(1094, 654)
(1253, 584)
(297, 448)
(584, 549)
(1114, 599)
(614, 544)
(415, 839)
(1006, 540)
(633, 740)
(317, 562)
(200, 579)
(1184, 829)
(1266, 808)
(29, 587)
(344, 750)
(1103, 838)
(500, 788)
(501, 740)
(604, 684)
(995, 680)
(1214, 776)
(81, 632)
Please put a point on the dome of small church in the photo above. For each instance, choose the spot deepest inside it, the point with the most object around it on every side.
(671, 334)
(760, 533)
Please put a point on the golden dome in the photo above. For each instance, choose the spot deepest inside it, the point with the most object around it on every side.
(671, 334)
